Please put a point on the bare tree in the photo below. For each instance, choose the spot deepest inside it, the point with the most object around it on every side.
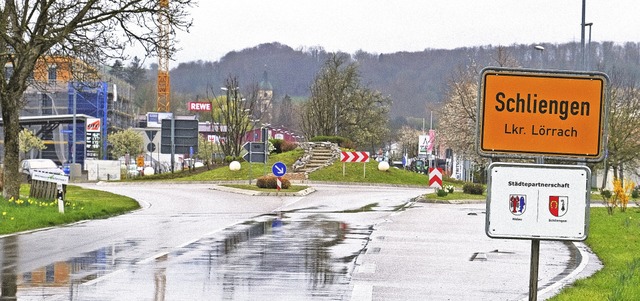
(234, 111)
(284, 116)
(408, 137)
(330, 96)
(340, 105)
(457, 117)
(624, 125)
(90, 31)
(367, 118)
(504, 59)
(457, 121)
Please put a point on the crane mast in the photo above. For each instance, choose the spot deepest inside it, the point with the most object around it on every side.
(164, 87)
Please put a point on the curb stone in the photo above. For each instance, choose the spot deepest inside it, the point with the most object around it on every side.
(261, 193)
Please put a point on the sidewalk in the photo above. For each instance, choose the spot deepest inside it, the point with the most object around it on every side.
(440, 252)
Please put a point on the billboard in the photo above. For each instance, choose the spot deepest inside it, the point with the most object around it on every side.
(154, 119)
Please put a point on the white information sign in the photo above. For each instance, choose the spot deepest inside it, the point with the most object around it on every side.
(103, 170)
(538, 201)
(44, 176)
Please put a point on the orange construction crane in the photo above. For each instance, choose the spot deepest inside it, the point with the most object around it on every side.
(164, 86)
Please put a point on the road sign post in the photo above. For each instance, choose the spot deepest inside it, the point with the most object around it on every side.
(354, 157)
(538, 114)
(256, 152)
(279, 169)
(538, 201)
(435, 178)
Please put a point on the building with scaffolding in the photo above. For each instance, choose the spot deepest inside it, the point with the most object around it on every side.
(101, 100)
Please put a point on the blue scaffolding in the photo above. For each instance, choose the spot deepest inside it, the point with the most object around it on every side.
(89, 99)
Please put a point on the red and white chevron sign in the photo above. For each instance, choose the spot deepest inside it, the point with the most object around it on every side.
(354, 157)
(435, 177)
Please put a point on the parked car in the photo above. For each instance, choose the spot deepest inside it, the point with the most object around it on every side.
(28, 166)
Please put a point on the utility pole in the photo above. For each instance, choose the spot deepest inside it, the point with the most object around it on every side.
(582, 26)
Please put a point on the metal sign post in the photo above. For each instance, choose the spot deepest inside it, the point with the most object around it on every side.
(279, 169)
(538, 202)
(533, 269)
(60, 197)
(256, 152)
(354, 157)
(538, 114)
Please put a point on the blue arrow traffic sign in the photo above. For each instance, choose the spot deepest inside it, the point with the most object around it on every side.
(279, 169)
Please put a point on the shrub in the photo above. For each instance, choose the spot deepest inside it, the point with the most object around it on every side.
(288, 146)
(348, 144)
(277, 143)
(442, 193)
(341, 141)
(282, 146)
(473, 189)
(270, 182)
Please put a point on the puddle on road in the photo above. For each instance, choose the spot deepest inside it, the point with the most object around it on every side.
(302, 259)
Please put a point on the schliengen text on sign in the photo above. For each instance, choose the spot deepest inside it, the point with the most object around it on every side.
(523, 112)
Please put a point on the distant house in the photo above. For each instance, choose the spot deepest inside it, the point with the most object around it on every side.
(272, 133)
(213, 132)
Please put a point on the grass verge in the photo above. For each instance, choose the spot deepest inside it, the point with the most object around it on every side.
(454, 196)
(247, 170)
(80, 204)
(368, 173)
(616, 240)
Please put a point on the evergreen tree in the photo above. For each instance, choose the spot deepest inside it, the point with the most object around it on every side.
(117, 69)
(135, 73)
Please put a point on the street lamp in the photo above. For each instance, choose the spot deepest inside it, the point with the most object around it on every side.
(541, 49)
(588, 67)
(582, 26)
(254, 132)
(73, 129)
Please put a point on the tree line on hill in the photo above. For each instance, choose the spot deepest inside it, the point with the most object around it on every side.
(414, 81)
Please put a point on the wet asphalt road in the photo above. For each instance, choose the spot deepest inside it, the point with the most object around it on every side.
(190, 242)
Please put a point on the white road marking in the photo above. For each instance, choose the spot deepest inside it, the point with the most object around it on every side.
(362, 292)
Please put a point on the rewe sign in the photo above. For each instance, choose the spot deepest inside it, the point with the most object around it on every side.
(199, 106)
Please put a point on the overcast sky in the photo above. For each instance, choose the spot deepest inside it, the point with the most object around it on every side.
(385, 26)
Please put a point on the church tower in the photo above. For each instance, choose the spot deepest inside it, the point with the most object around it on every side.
(265, 98)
